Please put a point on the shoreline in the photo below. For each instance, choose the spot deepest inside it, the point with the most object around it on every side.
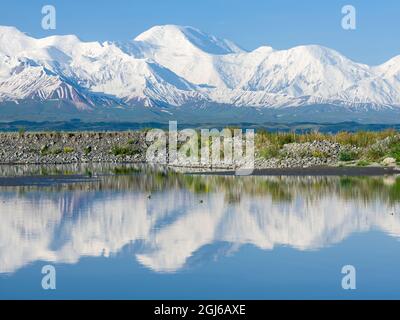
(46, 180)
(363, 153)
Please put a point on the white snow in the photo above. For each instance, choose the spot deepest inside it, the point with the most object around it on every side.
(177, 65)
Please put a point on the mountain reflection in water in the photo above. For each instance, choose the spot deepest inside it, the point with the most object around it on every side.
(173, 216)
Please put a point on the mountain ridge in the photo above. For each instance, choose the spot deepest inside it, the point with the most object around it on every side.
(173, 66)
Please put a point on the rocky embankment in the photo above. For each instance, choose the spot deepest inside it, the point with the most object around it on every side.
(66, 148)
(131, 147)
(308, 154)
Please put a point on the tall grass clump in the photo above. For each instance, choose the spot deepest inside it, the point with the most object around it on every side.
(269, 144)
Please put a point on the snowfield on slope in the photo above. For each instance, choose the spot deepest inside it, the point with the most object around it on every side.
(175, 65)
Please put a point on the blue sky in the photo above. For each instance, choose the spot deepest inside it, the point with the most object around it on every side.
(250, 23)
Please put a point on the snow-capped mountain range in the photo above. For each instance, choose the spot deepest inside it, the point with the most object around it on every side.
(175, 66)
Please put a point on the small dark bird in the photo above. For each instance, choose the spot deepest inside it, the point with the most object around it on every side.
(201, 201)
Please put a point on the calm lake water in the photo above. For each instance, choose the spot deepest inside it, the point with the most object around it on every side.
(138, 233)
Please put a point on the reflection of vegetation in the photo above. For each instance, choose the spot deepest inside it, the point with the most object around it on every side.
(54, 172)
(394, 191)
(139, 178)
(126, 170)
(88, 173)
(276, 190)
(370, 188)
(196, 185)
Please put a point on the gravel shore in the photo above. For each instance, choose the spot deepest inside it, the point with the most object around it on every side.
(131, 147)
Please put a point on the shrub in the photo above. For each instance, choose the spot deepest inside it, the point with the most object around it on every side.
(56, 151)
(269, 152)
(124, 151)
(68, 150)
(362, 138)
(319, 154)
(394, 150)
(87, 150)
(375, 154)
(21, 132)
(363, 163)
(348, 156)
(395, 153)
(285, 138)
(131, 141)
(44, 150)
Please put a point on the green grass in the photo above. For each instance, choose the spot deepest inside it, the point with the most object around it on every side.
(87, 150)
(375, 154)
(131, 141)
(21, 132)
(124, 151)
(396, 154)
(68, 150)
(56, 151)
(363, 163)
(44, 150)
(347, 156)
(270, 144)
(394, 150)
(319, 154)
(269, 152)
(358, 139)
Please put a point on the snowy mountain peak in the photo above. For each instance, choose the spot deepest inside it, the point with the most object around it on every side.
(173, 35)
(263, 50)
(9, 30)
(13, 41)
(60, 40)
(390, 68)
